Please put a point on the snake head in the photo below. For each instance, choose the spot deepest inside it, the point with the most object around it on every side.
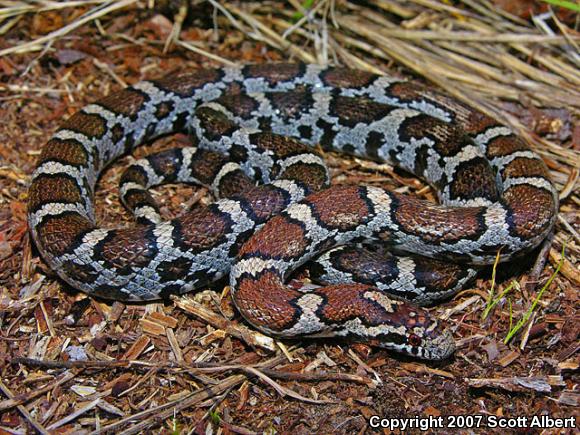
(433, 347)
(409, 329)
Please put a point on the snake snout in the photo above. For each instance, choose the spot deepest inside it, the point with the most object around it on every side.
(439, 347)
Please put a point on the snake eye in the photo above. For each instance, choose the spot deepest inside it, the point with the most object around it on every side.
(414, 340)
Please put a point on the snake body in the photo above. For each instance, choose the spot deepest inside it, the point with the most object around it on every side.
(258, 122)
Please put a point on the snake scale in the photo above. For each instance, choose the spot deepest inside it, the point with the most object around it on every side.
(259, 123)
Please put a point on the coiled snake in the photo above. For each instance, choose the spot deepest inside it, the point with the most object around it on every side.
(495, 193)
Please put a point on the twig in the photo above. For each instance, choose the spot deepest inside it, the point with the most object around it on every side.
(37, 426)
(460, 307)
(107, 69)
(23, 398)
(316, 376)
(211, 411)
(37, 7)
(189, 46)
(178, 20)
(283, 391)
(520, 384)
(423, 35)
(272, 36)
(534, 275)
(526, 335)
(201, 367)
(96, 13)
(161, 412)
(569, 227)
(242, 332)
(74, 415)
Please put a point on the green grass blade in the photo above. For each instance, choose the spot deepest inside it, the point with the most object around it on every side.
(513, 331)
(492, 289)
(564, 4)
(306, 4)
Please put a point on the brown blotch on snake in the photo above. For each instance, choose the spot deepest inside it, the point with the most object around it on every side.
(67, 151)
(345, 209)
(89, 124)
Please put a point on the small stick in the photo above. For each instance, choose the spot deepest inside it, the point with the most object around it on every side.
(39, 428)
(533, 276)
(241, 332)
(74, 415)
(316, 376)
(161, 412)
(569, 227)
(23, 398)
(96, 13)
(199, 367)
(526, 336)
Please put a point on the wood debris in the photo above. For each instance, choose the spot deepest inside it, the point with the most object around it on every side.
(522, 384)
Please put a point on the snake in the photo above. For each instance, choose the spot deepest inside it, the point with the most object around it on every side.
(260, 133)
